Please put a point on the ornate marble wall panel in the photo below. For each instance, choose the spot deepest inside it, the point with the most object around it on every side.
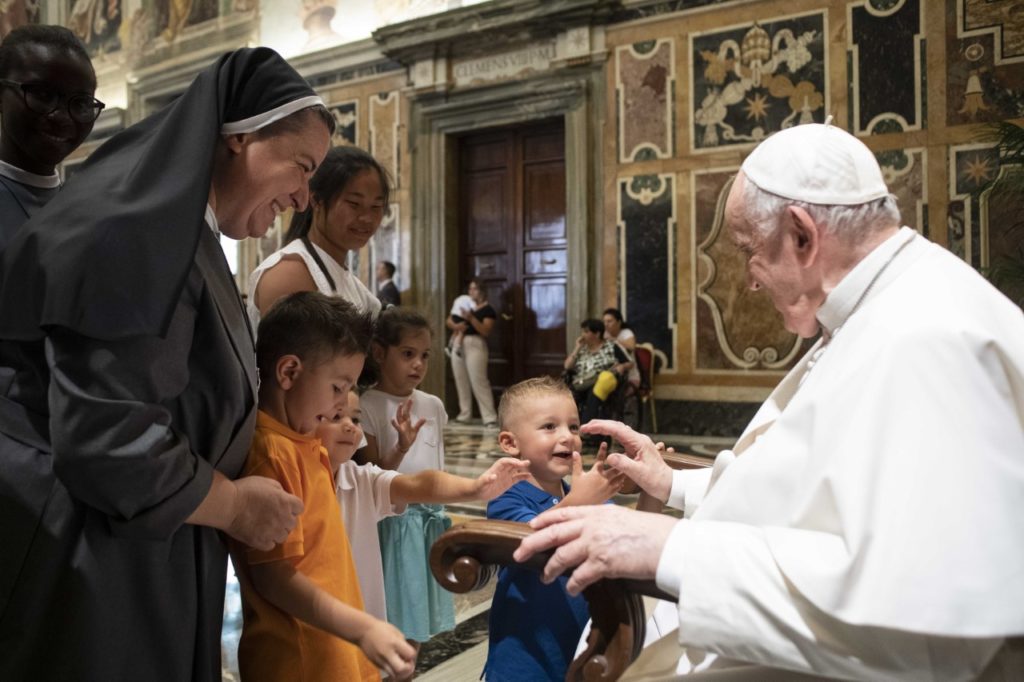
(1003, 230)
(645, 78)
(252, 251)
(885, 41)
(972, 168)
(386, 245)
(96, 23)
(753, 79)
(346, 121)
(904, 171)
(384, 121)
(647, 262)
(734, 329)
(984, 60)
(984, 221)
(272, 240)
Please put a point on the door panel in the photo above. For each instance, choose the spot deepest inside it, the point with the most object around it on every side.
(545, 203)
(549, 261)
(541, 144)
(491, 266)
(488, 211)
(545, 310)
(513, 238)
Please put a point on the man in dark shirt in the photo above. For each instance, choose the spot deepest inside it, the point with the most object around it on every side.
(47, 107)
(387, 292)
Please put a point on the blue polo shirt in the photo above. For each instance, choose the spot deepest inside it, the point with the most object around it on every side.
(534, 628)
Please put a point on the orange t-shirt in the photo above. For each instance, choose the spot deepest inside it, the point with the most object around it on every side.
(275, 645)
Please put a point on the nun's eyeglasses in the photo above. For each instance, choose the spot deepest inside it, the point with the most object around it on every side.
(42, 99)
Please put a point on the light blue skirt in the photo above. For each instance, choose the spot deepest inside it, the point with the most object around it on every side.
(417, 604)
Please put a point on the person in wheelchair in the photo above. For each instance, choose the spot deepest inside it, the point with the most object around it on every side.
(595, 369)
(616, 329)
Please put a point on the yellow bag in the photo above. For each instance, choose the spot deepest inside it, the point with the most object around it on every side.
(606, 383)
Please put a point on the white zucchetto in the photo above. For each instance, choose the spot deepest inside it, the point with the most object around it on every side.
(817, 163)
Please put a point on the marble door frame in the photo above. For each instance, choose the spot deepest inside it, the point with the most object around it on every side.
(575, 95)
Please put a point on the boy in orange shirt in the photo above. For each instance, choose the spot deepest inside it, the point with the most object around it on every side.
(303, 613)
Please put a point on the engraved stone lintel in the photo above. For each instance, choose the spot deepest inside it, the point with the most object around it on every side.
(511, 65)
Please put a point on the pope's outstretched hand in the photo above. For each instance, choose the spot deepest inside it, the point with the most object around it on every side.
(641, 462)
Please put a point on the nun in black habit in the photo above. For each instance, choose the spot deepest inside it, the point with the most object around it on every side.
(128, 384)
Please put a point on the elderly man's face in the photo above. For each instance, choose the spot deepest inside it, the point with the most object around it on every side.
(774, 264)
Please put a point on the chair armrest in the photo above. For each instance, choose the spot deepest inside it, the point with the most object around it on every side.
(681, 460)
(466, 556)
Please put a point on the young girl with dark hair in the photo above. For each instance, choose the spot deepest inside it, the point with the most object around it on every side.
(348, 198)
(403, 428)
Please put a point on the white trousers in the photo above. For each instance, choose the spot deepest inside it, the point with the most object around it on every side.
(470, 370)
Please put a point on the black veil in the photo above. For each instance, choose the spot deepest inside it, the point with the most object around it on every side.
(108, 256)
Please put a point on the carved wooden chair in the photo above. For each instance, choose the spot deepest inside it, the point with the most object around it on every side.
(468, 555)
(646, 365)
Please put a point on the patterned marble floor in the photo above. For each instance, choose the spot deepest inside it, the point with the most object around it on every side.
(459, 655)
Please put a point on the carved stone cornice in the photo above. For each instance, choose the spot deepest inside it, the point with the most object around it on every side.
(342, 63)
(488, 27)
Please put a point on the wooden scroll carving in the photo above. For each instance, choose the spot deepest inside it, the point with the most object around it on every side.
(467, 556)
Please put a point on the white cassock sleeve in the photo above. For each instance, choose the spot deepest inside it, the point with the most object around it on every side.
(734, 602)
(688, 488)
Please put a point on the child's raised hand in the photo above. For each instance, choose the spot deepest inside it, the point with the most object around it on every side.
(502, 475)
(387, 649)
(595, 486)
(407, 431)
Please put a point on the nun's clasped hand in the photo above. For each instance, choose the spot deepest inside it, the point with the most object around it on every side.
(264, 513)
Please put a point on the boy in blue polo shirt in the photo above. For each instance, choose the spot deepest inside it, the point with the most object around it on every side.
(534, 628)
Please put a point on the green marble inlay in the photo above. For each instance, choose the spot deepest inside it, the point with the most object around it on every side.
(887, 125)
(884, 5)
(644, 47)
(652, 185)
(645, 154)
(896, 159)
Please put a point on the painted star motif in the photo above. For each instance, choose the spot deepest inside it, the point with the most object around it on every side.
(978, 170)
(757, 107)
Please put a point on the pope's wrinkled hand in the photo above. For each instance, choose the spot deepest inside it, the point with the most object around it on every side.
(264, 513)
(602, 541)
(641, 461)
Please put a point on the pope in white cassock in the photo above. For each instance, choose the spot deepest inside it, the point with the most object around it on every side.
(869, 523)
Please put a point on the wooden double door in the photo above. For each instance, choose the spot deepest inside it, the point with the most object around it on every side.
(512, 237)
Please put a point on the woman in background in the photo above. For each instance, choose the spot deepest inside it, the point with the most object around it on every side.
(470, 367)
(616, 329)
(596, 365)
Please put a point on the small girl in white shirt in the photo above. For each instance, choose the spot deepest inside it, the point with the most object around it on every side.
(368, 493)
(404, 431)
